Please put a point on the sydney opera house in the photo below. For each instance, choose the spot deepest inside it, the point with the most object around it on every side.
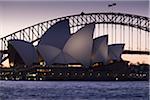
(60, 55)
(57, 47)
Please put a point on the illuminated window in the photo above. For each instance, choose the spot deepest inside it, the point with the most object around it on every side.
(68, 73)
(42, 63)
(96, 65)
(107, 74)
(50, 70)
(75, 73)
(74, 65)
(31, 75)
(11, 64)
(17, 78)
(41, 79)
(52, 73)
(144, 74)
(60, 73)
(116, 78)
(6, 78)
(90, 74)
(130, 74)
(83, 74)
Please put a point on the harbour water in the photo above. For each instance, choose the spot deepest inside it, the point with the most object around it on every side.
(73, 90)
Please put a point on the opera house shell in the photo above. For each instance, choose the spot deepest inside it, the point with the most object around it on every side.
(59, 47)
(22, 53)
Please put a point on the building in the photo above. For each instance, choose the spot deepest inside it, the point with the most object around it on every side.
(60, 55)
(57, 47)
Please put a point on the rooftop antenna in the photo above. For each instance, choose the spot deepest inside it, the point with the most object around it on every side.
(111, 6)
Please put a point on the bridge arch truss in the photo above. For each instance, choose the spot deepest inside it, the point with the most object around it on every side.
(103, 20)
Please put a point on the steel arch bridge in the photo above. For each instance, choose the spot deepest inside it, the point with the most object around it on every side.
(106, 22)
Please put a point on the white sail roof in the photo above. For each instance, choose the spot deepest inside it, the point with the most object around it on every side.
(115, 51)
(79, 46)
(57, 35)
(48, 53)
(100, 49)
(64, 58)
(53, 55)
(26, 51)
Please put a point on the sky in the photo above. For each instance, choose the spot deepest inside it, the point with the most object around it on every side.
(19, 14)
(16, 15)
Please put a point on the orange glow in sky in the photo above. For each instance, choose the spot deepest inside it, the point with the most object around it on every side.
(137, 58)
